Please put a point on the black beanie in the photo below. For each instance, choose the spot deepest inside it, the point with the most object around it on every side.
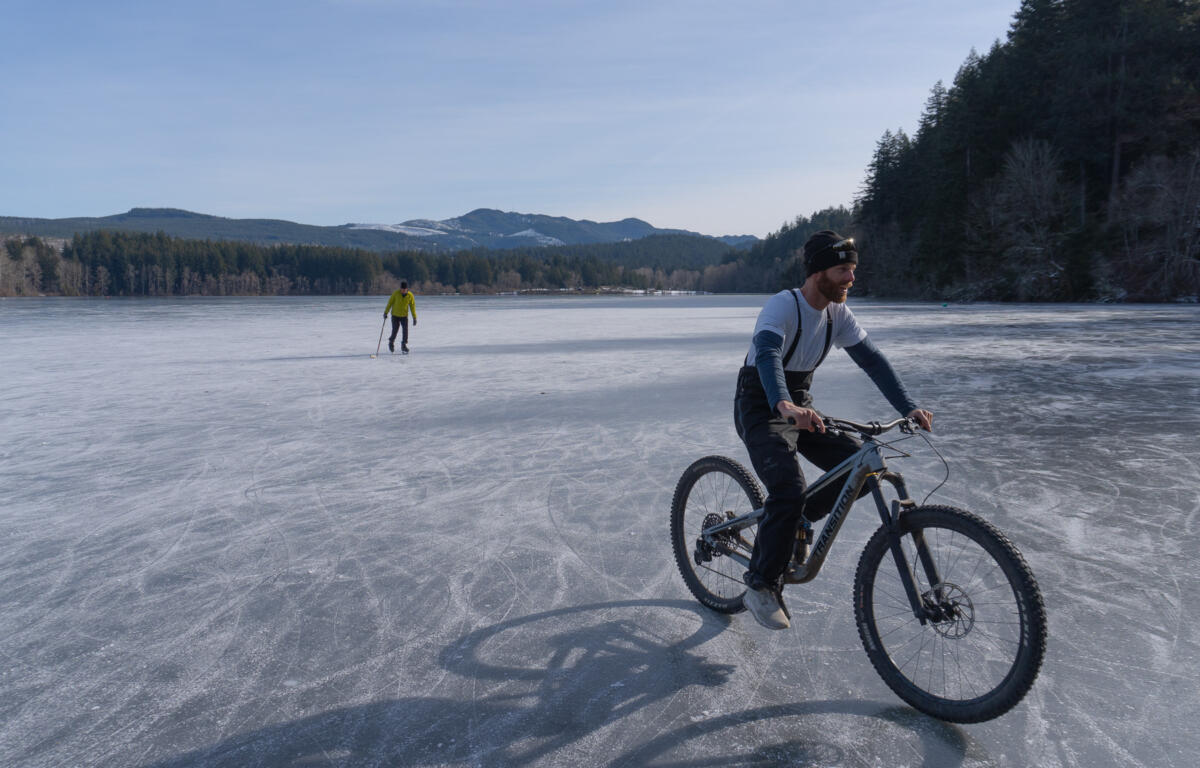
(819, 256)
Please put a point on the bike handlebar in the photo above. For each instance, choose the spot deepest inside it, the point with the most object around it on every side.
(873, 428)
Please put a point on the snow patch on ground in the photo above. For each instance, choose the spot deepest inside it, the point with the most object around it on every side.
(537, 236)
(402, 229)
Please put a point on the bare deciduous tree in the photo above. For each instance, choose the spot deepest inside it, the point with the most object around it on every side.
(1160, 204)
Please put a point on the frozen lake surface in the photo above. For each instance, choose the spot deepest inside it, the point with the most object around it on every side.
(229, 537)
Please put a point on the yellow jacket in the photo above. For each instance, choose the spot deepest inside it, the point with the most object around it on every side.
(400, 304)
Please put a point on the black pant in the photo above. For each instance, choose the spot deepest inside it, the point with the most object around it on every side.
(397, 324)
(773, 444)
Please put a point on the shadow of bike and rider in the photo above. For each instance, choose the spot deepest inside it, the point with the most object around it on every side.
(528, 707)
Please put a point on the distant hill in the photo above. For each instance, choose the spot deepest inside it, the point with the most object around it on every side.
(481, 228)
(199, 226)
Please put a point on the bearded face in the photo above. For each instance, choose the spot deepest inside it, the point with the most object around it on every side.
(834, 283)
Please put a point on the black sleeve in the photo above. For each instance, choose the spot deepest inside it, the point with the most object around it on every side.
(870, 359)
(768, 359)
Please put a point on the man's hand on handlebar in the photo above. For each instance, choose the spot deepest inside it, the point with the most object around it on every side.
(923, 418)
(804, 418)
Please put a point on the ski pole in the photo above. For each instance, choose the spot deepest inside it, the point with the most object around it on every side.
(377, 346)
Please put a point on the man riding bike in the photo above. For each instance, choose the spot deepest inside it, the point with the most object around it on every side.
(773, 410)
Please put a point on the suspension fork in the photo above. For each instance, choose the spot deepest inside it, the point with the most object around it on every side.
(891, 523)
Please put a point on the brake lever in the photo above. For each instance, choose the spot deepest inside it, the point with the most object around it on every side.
(830, 429)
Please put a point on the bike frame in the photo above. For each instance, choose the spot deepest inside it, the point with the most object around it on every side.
(862, 469)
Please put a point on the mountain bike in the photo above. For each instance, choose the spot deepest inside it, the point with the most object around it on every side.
(948, 611)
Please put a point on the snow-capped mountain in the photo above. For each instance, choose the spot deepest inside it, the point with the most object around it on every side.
(481, 228)
(490, 228)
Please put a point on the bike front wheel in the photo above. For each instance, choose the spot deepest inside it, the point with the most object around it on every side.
(711, 491)
(981, 645)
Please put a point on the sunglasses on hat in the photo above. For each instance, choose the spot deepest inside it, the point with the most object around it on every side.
(841, 246)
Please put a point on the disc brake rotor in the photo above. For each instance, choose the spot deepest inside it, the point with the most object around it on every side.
(950, 609)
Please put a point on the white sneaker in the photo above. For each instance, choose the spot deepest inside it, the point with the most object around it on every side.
(766, 608)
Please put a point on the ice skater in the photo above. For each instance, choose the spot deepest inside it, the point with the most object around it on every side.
(773, 410)
(400, 304)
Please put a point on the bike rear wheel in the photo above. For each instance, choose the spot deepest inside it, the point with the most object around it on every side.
(981, 647)
(712, 490)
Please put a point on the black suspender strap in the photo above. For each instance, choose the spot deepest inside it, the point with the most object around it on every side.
(796, 338)
(828, 337)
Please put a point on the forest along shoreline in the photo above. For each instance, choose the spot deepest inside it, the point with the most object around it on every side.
(121, 264)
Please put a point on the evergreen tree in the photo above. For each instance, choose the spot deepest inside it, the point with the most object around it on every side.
(1083, 91)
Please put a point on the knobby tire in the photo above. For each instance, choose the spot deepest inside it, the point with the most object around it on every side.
(714, 487)
(979, 662)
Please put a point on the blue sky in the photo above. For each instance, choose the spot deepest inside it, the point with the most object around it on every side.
(718, 117)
